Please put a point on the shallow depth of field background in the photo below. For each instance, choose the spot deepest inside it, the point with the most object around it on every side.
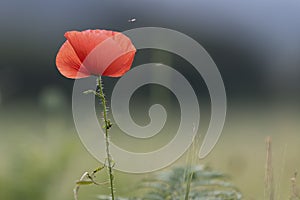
(255, 45)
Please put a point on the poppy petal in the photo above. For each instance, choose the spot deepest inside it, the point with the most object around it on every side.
(95, 52)
(105, 53)
(85, 41)
(68, 63)
(120, 66)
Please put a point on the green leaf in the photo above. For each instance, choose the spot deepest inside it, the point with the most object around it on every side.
(84, 182)
(90, 92)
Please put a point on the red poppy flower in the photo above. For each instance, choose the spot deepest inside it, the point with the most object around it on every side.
(95, 52)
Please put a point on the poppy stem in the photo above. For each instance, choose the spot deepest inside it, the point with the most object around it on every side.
(107, 125)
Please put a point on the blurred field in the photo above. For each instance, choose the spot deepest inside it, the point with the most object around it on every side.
(255, 45)
(41, 155)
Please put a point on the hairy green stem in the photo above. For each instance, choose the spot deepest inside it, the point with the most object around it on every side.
(107, 125)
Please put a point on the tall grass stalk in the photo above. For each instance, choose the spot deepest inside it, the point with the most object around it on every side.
(269, 182)
(191, 161)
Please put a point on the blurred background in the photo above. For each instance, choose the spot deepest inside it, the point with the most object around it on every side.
(255, 45)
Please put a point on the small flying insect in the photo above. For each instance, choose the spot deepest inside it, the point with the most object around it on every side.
(132, 20)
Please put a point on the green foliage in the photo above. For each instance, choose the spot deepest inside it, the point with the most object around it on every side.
(199, 182)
